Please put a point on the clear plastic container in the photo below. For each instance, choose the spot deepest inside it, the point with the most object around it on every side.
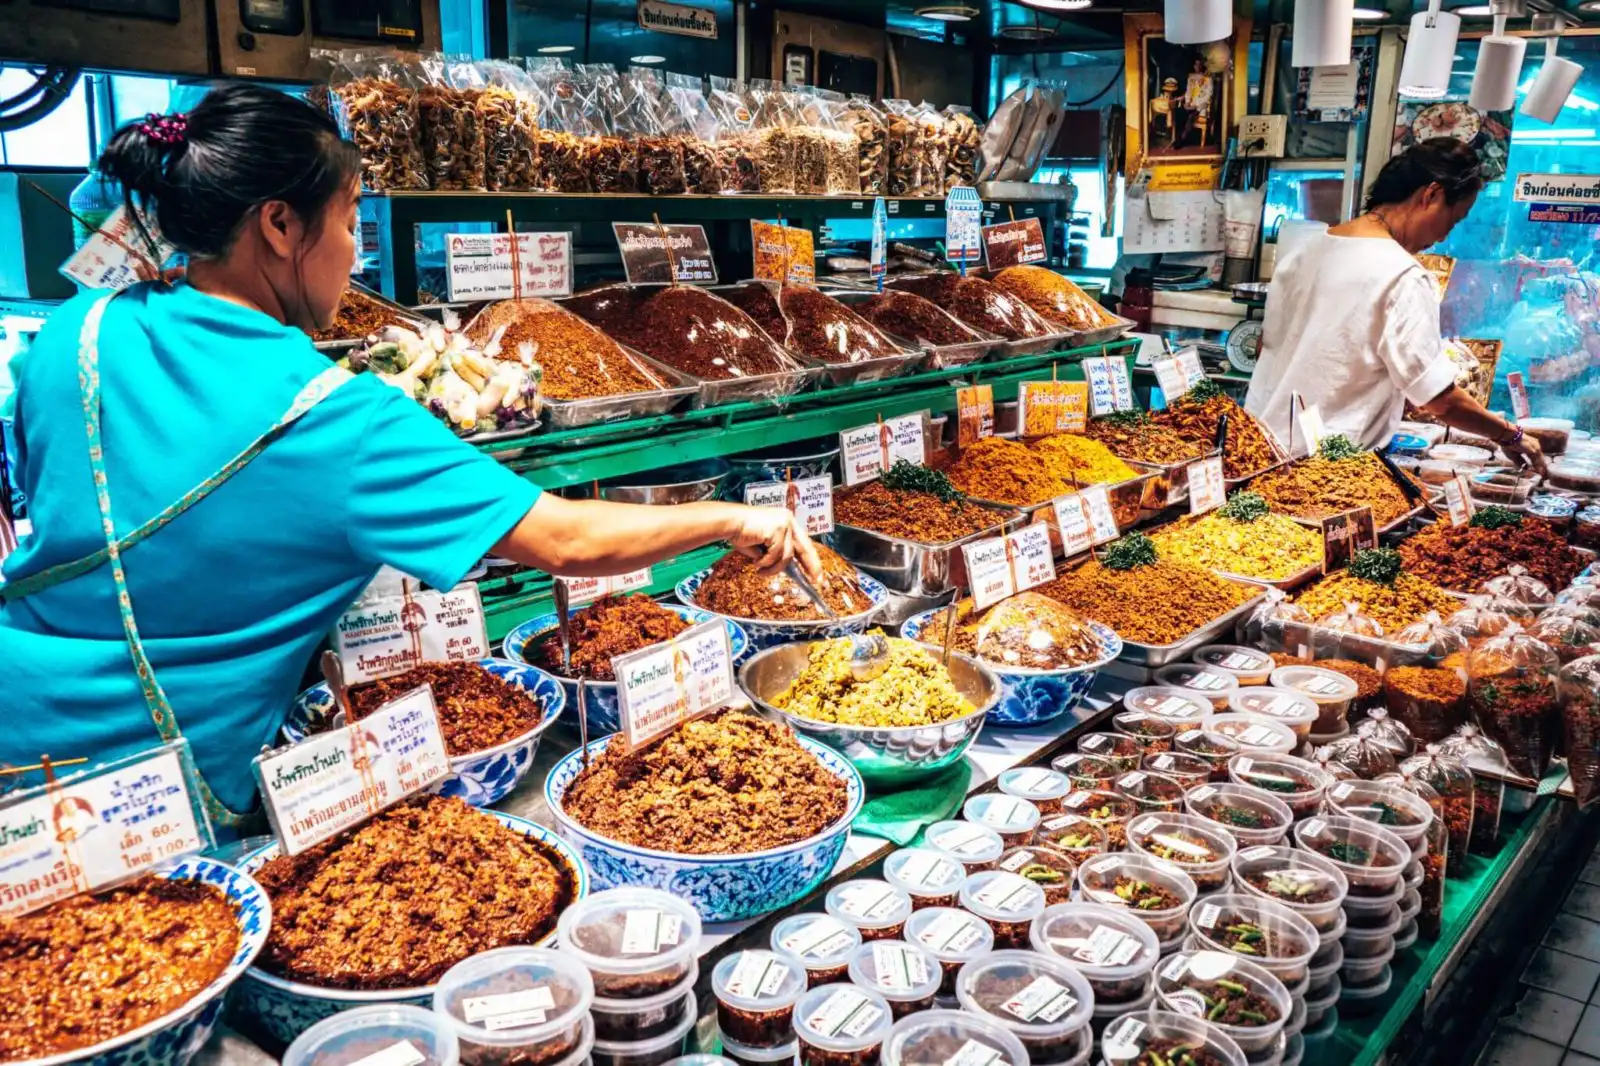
(1361, 972)
(1105, 1013)
(1164, 701)
(1304, 882)
(1199, 982)
(1121, 751)
(1253, 817)
(1322, 1014)
(1297, 1017)
(1156, 893)
(1076, 837)
(1273, 936)
(952, 936)
(1248, 666)
(1211, 746)
(1202, 849)
(930, 878)
(505, 1003)
(756, 992)
(699, 1059)
(1294, 1048)
(876, 909)
(1370, 857)
(635, 942)
(976, 847)
(1325, 966)
(1331, 690)
(1374, 911)
(1014, 819)
(1150, 792)
(904, 973)
(656, 1051)
(1207, 682)
(1407, 936)
(744, 1055)
(1039, 785)
(629, 1020)
(1407, 816)
(1190, 771)
(1039, 997)
(1087, 771)
(1109, 946)
(1255, 733)
(820, 943)
(386, 1030)
(935, 1037)
(1050, 868)
(1141, 1038)
(1008, 902)
(1367, 942)
(1296, 711)
(841, 1025)
(1296, 782)
(1106, 809)
(1357, 1000)
(1410, 904)
(1153, 734)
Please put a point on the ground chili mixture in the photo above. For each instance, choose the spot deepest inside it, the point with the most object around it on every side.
(1315, 487)
(916, 319)
(1462, 558)
(359, 316)
(1198, 415)
(1429, 701)
(979, 304)
(1003, 471)
(704, 335)
(1056, 299)
(1156, 604)
(477, 710)
(611, 626)
(1135, 435)
(918, 516)
(737, 589)
(1516, 712)
(579, 361)
(728, 784)
(401, 899)
(93, 967)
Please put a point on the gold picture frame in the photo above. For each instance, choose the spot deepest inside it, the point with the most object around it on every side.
(1184, 101)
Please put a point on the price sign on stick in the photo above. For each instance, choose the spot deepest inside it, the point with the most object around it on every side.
(1003, 566)
(667, 684)
(379, 638)
(974, 414)
(1207, 491)
(1194, 372)
(866, 452)
(1458, 500)
(963, 218)
(1085, 520)
(1312, 430)
(1013, 243)
(783, 253)
(808, 499)
(588, 589)
(1517, 385)
(1047, 407)
(1169, 375)
(646, 259)
(878, 262)
(481, 266)
(1345, 534)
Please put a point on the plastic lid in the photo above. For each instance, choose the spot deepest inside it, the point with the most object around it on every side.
(658, 1001)
(964, 841)
(1281, 936)
(1236, 659)
(1208, 681)
(1178, 764)
(1002, 896)
(1291, 876)
(1099, 805)
(1098, 877)
(1239, 807)
(951, 935)
(758, 981)
(629, 931)
(1107, 944)
(1254, 732)
(1034, 783)
(843, 1018)
(815, 941)
(951, 1038)
(1178, 975)
(1385, 804)
(898, 970)
(1324, 686)
(1002, 813)
(1145, 726)
(1036, 996)
(1085, 769)
(1286, 706)
(1151, 791)
(1129, 1036)
(1111, 745)
(1281, 775)
(868, 903)
(1165, 701)
(1360, 849)
(1371, 989)
(393, 1034)
(514, 996)
(1205, 743)
(1384, 930)
(700, 1060)
(924, 872)
(1182, 839)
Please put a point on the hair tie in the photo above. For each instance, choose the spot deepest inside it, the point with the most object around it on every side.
(170, 130)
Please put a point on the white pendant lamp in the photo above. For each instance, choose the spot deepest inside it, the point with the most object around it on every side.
(1555, 83)
(1430, 51)
(1198, 21)
(1322, 32)
(1494, 82)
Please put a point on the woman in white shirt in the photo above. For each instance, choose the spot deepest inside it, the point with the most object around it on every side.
(1352, 324)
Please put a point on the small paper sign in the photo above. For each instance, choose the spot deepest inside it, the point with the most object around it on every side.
(1182, 372)
(389, 636)
(783, 253)
(1458, 500)
(1345, 534)
(1207, 491)
(644, 253)
(589, 589)
(103, 263)
(96, 829)
(1102, 519)
(1110, 387)
(974, 414)
(1048, 407)
(1085, 520)
(1013, 243)
(808, 499)
(479, 266)
(1193, 371)
(1517, 385)
(878, 263)
(1003, 566)
(1312, 429)
(666, 684)
(331, 781)
(868, 451)
(963, 223)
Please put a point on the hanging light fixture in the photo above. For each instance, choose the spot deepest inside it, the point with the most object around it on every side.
(1430, 49)
(1322, 32)
(1557, 76)
(1494, 82)
(1198, 21)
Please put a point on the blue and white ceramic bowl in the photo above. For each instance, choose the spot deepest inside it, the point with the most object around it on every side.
(723, 888)
(600, 697)
(1033, 696)
(285, 1008)
(175, 1037)
(480, 777)
(767, 634)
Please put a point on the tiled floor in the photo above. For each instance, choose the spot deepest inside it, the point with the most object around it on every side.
(1556, 1020)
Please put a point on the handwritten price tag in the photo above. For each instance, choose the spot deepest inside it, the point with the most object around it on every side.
(479, 266)
(1003, 566)
(868, 451)
(974, 414)
(1207, 491)
(783, 253)
(1458, 500)
(1110, 388)
(588, 589)
(1345, 534)
(1085, 519)
(809, 499)
(667, 684)
(1013, 243)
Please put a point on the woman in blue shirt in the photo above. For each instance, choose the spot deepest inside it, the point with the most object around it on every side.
(209, 494)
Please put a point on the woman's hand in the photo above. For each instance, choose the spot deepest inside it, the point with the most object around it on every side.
(773, 537)
(1527, 452)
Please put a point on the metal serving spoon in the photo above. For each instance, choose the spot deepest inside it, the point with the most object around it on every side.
(869, 652)
(563, 600)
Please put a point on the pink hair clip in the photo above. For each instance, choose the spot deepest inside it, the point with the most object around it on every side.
(169, 130)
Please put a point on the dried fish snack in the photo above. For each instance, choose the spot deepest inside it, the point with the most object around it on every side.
(871, 127)
(963, 134)
(735, 145)
(906, 153)
(452, 130)
(508, 110)
(375, 103)
(935, 150)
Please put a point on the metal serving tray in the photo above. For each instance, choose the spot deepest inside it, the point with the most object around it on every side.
(862, 372)
(759, 387)
(938, 356)
(1050, 342)
(910, 567)
(571, 414)
(409, 317)
(1171, 480)
(1151, 656)
(1102, 335)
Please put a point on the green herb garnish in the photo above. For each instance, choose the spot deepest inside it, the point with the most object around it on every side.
(1245, 507)
(1202, 391)
(1379, 565)
(1125, 418)
(1337, 448)
(1133, 550)
(1495, 517)
(908, 477)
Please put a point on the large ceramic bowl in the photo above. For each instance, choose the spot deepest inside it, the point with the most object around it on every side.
(766, 634)
(723, 888)
(1034, 696)
(175, 1037)
(886, 757)
(479, 777)
(600, 697)
(285, 1008)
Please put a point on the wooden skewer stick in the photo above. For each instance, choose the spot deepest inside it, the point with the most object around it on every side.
(666, 246)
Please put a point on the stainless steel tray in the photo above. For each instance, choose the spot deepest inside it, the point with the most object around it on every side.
(409, 317)
(1154, 655)
(1050, 342)
(760, 387)
(910, 567)
(1103, 335)
(1127, 505)
(938, 356)
(1287, 584)
(571, 414)
(857, 373)
(1170, 484)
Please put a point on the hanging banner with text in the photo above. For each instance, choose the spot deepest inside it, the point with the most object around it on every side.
(1004, 566)
(974, 414)
(380, 638)
(1110, 386)
(1085, 520)
(480, 266)
(667, 684)
(868, 451)
(963, 224)
(332, 781)
(589, 589)
(810, 499)
(783, 253)
(1558, 188)
(644, 253)
(1048, 407)
(1013, 243)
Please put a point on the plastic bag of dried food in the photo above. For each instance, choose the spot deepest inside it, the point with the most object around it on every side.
(863, 118)
(1028, 631)
(660, 140)
(979, 304)
(906, 156)
(452, 129)
(1002, 131)
(963, 136)
(579, 361)
(702, 167)
(841, 150)
(509, 115)
(558, 94)
(375, 103)
(702, 334)
(1511, 691)
(610, 152)
(735, 134)
(1579, 689)
(1484, 758)
(774, 142)
(935, 149)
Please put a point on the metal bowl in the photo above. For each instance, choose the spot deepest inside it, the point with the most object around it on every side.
(689, 483)
(885, 756)
(801, 459)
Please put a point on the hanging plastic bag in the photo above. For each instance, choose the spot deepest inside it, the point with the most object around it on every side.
(702, 167)
(963, 136)
(375, 103)
(862, 117)
(906, 155)
(1481, 754)
(565, 101)
(1578, 689)
(1511, 690)
(1001, 132)
(660, 140)
(509, 115)
(1449, 776)
(452, 130)
(735, 135)
(774, 142)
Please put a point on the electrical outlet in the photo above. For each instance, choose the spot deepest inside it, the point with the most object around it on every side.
(1262, 136)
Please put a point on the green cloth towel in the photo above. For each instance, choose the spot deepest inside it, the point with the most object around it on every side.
(901, 816)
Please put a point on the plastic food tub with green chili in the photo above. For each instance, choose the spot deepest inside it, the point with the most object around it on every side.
(1279, 940)
(1251, 816)
(1235, 995)
(1051, 869)
(1123, 752)
(1370, 857)
(1202, 849)
(1113, 949)
(1157, 893)
(1305, 882)
(1296, 782)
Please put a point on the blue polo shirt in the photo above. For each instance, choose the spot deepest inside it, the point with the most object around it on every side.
(233, 597)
